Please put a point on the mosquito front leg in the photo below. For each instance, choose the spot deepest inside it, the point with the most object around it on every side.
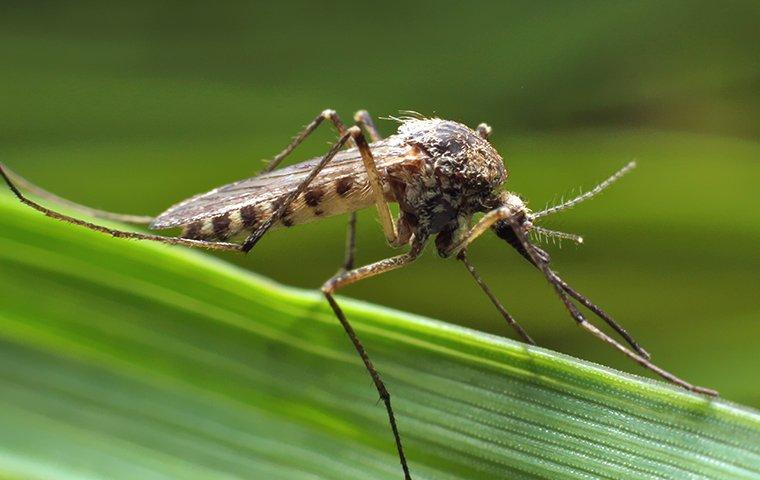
(543, 265)
(503, 311)
(346, 278)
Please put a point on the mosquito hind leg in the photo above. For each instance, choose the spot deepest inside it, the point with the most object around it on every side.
(25, 184)
(343, 279)
(113, 232)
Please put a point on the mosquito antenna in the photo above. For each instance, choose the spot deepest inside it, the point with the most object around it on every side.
(555, 234)
(585, 196)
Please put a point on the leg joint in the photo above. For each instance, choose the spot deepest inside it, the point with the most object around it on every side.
(355, 131)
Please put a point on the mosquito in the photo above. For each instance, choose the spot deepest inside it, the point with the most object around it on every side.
(441, 174)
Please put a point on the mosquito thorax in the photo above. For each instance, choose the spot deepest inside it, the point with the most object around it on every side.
(456, 172)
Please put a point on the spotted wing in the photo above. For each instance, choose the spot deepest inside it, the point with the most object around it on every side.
(341, 186)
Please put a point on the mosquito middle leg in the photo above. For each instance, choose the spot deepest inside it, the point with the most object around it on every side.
(343, 279)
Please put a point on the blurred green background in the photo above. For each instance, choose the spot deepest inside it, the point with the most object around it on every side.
(134, 106)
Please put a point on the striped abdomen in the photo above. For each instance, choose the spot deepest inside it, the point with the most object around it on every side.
(342, 195)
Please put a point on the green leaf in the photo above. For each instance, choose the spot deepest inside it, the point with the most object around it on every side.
(121, 359)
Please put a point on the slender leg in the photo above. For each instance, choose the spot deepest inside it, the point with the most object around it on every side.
(510, 320)
(117, 233)
(343, 279)
(364, 120)
(506, 233)
(350, 255)
(20, 181)
(586, 302)
(543, 265)
(328, 114)
(503, 213)
(386, 220)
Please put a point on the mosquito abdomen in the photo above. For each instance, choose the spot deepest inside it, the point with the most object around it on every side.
(329, 198)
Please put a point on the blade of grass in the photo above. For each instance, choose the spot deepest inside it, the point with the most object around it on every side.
(122, 359)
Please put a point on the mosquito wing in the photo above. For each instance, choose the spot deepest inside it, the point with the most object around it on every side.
(342, 186)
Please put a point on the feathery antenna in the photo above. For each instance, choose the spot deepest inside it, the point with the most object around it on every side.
(580, 198)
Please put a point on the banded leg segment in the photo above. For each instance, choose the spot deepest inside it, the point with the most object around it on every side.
(341, 280)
